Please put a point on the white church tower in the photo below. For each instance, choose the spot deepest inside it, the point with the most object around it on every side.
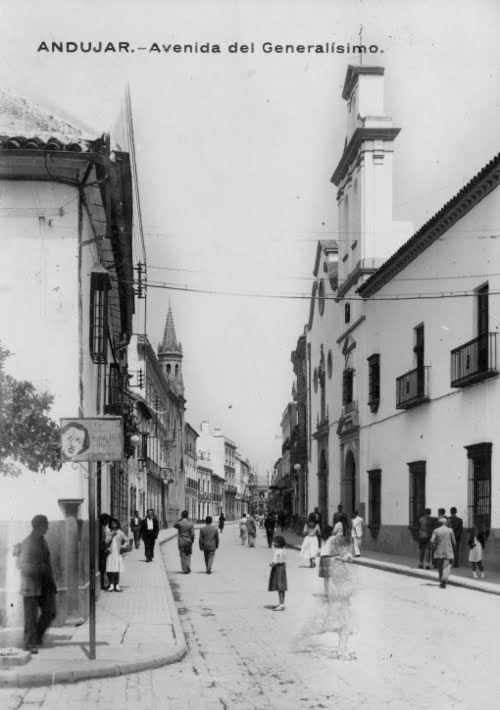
(363, 176)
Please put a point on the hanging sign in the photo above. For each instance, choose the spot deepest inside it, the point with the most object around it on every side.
(92, 439)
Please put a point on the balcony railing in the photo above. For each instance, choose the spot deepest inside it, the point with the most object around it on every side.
(474, 361)
(412, 388)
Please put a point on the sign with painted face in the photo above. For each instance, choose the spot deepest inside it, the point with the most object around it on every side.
(92, 439)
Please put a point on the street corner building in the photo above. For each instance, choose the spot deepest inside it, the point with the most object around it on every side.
(397, 389)
(66, 315)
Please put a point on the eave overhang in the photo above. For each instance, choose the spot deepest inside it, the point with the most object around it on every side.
(359, 136)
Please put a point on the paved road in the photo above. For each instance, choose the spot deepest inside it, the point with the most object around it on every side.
(416, 646)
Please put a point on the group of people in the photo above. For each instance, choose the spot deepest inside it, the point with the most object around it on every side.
(313, 533)
(439, 541)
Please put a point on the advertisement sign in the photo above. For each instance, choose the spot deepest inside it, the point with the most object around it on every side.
(92, 439)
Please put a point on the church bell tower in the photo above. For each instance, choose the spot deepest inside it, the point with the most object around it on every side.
(170, 355)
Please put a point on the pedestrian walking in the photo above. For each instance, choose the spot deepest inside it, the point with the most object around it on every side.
(222, 520)
(270, 525)
(477, 542)
(340, 517)
(149, 529)
(135, 527)
(318, 516)
(261, 521)
(38, 587)
(209, 542)
(281, 520)
(325, 553)
(251, 530)
(444, 544)
(457, 525)
(426, 526)
(357, 530)
(104, 535)
(277, 578)
(310, 546)
(185, 541)
(115, 547)
(243, 529)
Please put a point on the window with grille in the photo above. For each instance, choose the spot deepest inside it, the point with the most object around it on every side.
(374, 497)
(417, 491)
(98, 321)
(374, 382)
(347, 386)
(347, 313)
(114, 405)
(479, 485)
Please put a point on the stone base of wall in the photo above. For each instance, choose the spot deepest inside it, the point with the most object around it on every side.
(398, 540)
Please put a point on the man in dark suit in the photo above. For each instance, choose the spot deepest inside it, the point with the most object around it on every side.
(185, 541)
(149, 528)
(135, 526)
(209, 542)
(457, 525)
(340, 517)
(38, 586)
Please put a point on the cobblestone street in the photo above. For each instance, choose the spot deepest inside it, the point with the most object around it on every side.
(415, 645)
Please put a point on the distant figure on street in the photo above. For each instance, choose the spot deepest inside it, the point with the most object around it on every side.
(426, 526)
(281, 520)
(38, 587)
(251, 530)
(357, 530)
(270, 525)
(277, 578)
(310, 546)
(261, 521)
(116, 545)
(222, 520)
(340, 517)
(325, 554)
(243, 529)
(319, 517)
(457, 525)
(150, 529)
(104, 534)
(209, 542)
(185, 541)
(477, 542)
(444, 544)
(135, 527)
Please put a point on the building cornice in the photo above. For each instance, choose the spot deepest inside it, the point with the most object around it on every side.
(469, 196)
(359, 136)
(351, 78)
(353, 277)
(350, 329)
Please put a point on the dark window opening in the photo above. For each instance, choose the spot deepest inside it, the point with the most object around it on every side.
(417, 491)
(98, 329)
(374, 498)
(479, 486)
(347, 386)
(374, 382)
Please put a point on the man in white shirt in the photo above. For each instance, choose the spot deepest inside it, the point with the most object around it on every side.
(357, 529)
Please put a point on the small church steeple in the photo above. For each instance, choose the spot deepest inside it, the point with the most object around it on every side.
(170, 355)
(363, 177)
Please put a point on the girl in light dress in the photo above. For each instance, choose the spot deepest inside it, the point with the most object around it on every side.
(310, 546)
(277, 578)
(476, 543)
(116, 542)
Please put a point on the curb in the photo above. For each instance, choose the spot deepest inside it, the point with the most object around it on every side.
(104, 669)
(422, 574)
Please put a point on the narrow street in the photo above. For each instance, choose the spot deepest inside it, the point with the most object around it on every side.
(413, 645)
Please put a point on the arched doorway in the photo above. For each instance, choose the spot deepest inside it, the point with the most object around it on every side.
(350, 483)
(323, 487)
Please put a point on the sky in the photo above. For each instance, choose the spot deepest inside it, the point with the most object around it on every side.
(235, 152)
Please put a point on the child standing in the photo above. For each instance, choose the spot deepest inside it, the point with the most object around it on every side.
(476, 543)
(277, 578)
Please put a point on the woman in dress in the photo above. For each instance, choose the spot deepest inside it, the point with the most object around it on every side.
(115, 547)
(310, 546)
(243, 529)
(222, 520)
(325, 555)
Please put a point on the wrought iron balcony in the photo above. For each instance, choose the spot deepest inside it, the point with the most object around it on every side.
(412, 388)
(474, 361)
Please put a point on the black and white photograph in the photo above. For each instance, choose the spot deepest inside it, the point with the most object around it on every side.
(249, 354)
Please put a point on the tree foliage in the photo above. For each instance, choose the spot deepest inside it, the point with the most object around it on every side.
(28, 435)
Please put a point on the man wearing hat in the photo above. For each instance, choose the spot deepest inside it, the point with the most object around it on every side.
(444, 545)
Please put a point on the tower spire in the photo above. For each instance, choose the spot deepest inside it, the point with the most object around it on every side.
(169, 343)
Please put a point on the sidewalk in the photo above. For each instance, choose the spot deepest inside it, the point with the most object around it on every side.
(135, 630)
(401, 564)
